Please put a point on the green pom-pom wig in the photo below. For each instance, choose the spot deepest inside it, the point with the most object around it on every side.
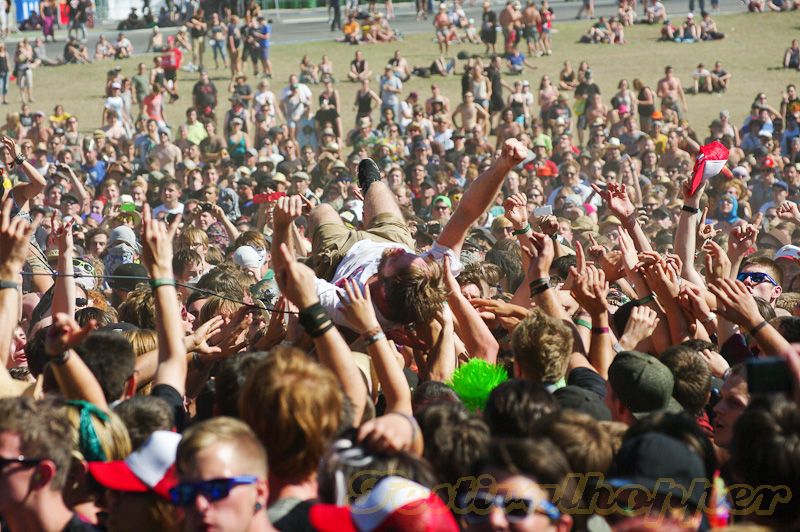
(475, 380)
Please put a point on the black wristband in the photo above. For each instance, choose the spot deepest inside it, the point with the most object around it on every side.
(536, 290)
(755, 330)
(19, 159)
(60, 359)
(691, 210)
(315, 320)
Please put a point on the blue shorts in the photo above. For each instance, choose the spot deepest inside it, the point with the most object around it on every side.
(265, 53)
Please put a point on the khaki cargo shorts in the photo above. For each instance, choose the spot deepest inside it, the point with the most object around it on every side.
(331, 241)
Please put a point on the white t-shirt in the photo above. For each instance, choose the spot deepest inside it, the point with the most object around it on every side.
(361, 263)
(161, 208)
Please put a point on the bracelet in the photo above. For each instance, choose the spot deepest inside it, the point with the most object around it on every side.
(375, 338)
(583, 323)
(708, 319)
(540, 281)
(646, 299)
(691, 210)
(371, 332)
(553, 237)
(19, 159)
(600, 330)
(536, 290)
(755, 330)
(9, 285)
(522, 231)
(617, 347)
(60, 359)
(164, 281)
(412, 421)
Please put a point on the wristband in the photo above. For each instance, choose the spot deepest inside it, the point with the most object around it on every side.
(371, 332)
(600, 330)
(553, 237)
(375, 338)
(9, 285)
(315, 320)
(583, 323)
(540, 281)
(690, 210)
(708, 319)
(646, 299)
(60, 359)
(522, 231)
(536, 290)
(19, 159)
(617, 347)
(755, 330)
(165, 281)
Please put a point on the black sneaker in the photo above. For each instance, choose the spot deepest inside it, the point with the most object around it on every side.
(368, 173)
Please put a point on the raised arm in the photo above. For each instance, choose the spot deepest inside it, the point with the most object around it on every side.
(359, 311)
(617, 199)
(296, 282)
(157, 258)
(222, 218)
(64, 289)
(36, 182)
(480, 194)
(686, 233)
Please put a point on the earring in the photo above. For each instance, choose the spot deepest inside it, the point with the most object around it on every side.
(258, 507)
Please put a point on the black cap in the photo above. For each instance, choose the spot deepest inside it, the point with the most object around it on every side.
(583, 400)
(661, 464)
(128, 270)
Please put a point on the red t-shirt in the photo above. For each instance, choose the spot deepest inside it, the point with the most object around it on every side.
(172, 59)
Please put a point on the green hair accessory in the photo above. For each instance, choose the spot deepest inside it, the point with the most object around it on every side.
(475, 380)
(89, 442)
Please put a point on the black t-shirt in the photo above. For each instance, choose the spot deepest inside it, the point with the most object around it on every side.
(587, 89)
(243, 90)
(205, 94)
(175, 400)
(588, 380)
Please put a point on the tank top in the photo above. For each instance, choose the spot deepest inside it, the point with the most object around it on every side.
(331, 99)
(479, 89)
(237, 149)
(645, 109)
(363, 104)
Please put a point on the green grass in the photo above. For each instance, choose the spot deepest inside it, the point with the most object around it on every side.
(750, 55)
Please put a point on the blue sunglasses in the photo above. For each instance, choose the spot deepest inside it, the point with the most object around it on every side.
(757, 277)
(477, 507)
(184, 494)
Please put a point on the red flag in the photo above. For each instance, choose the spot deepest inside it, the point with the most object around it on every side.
(709, 162)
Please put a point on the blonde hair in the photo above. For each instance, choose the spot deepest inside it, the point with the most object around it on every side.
(111, 432)
(217, 306)
(294, 405)
(192, 235)
(542, 346)
(251, 456)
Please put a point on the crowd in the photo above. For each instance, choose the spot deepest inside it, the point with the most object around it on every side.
(513, 308)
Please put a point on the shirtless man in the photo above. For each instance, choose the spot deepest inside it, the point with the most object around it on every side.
(673, 154)
(405, 288)
(508, 19)
(470, 114)
(437, 96)
(507, 128)
(670, 90)
(531, 19)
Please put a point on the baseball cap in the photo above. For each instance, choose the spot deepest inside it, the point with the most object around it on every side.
(127, 270)
(788, 252)
(646, 460)
(247, 257)
(300, 175)
(781, 184)
(642, 383)
(279, 177)
(443, 199)
(124, 234)
(739, 172)
(395, 503)
(582, 400)
(149, 468)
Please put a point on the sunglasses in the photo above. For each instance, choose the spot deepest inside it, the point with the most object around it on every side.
(184, 494)
(477, 507)
(757, 277)
(5, 462)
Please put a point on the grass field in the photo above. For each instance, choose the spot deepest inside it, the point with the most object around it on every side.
(752, 52)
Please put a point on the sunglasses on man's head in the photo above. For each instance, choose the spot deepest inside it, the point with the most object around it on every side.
(478, 506)
(184, 494)
(757, 277)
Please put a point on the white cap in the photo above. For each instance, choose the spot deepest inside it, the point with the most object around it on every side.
(247, 257)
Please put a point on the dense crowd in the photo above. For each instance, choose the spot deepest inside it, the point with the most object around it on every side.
(513, 308)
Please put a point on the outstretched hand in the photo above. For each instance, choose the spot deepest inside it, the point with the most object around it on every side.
(15, 235)
(286, 209)
(358, 309)
(541, 252)
(65, 333)
(516, 210)
(156, 246)
(615, 195)
(514, 152)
